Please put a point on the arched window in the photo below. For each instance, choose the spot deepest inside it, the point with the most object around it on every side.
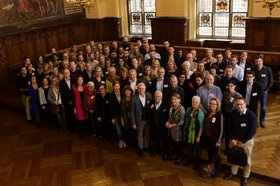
(221, 18)
(139, 11)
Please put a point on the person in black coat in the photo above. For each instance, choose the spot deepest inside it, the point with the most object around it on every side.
(250, 90)
(213, 133)
(160, 83)
(115, 113)
(102, 108)
(173, 88)
(65, 86)
(158, 118)
(244, 63)
(228, 77)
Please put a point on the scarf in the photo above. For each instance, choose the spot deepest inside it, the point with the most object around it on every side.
(191, 134)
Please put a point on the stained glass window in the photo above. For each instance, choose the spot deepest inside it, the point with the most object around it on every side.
(221, 18)
(139, 13)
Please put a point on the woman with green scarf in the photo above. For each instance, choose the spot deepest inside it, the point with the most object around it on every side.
(193, 129)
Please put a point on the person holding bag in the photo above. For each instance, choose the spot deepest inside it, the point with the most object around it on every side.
(243, 124)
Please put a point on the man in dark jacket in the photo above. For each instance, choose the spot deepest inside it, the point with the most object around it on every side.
(243, 128)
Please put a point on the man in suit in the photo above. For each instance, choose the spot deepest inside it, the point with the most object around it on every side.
(226, 78)
(173, 88)
(238, 72)
(133, 80)
(243, 128)
(158, 118)
(65, 86)
(250, 90)
(160, 83)
(244, 63)
(87, 73)
(140, 117)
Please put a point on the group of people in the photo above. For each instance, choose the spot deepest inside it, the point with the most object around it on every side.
(160, 101)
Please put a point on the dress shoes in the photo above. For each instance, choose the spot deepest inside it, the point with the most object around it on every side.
(244, 182)
(229, 176)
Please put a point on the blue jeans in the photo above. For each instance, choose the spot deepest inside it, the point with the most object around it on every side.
(263, 100)
(119, 128)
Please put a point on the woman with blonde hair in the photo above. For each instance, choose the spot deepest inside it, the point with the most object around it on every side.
(154, 68)
(54, 97)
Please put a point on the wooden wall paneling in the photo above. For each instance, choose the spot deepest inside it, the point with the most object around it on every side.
(273, 31)
(173, 29)
(39, 43)
(4, 73)
(111, 28)
(262, 33)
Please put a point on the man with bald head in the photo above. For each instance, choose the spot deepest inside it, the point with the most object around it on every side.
(207, 91)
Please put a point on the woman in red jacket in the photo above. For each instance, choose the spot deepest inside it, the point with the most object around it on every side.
(79, 108)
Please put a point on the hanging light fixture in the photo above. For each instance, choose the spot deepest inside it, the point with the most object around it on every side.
(86, 4)
(270, 4)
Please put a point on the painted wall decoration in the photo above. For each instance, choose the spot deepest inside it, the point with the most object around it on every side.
(17, 12)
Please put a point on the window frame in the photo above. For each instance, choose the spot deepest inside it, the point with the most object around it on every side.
(230, 27)
(143, 13)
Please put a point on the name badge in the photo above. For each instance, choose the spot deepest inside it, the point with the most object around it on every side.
(150, 82)
(106, 72)
(165, 86)
(254, 94)
(211, 95)
(243, 124)
(213, 120)
(103, 82)
(221, 70)
(263, 75)
(248, 68)
(152, 106)
(140, 74)
(91, 97)
(231, 99)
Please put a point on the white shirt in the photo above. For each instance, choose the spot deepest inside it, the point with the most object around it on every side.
(143, 100)
(159, 85)
(248, 93)
(68, 83)
(157, 105)
(238, 72)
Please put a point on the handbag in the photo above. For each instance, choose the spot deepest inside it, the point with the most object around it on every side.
(237, 156)
(54, 109)
(207, 169)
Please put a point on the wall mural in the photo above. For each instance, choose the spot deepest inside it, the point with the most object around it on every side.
(16, 12)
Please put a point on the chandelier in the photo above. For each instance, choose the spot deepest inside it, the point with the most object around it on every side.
(86, 4)
(270, 4)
